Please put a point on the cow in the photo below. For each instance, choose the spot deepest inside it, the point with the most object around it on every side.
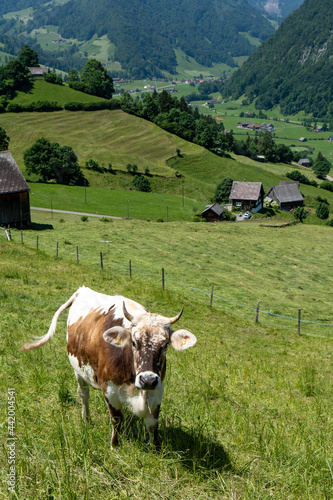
(115, 345)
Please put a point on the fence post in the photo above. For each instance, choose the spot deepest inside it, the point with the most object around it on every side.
(130, 268)
(57, 249)
(163, 278)
(211, 296)
(257, 311)
(77, 254)
(101, 259)
(299, 322)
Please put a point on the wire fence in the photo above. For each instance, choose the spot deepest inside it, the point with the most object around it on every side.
(213, 297)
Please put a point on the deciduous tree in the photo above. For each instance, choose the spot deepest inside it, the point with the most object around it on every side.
(50, 161)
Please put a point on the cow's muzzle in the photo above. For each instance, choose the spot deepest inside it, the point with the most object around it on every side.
(148, 381)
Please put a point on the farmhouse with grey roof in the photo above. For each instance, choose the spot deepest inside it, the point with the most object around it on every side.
(247, 196)
(14, 193)
(287, 194)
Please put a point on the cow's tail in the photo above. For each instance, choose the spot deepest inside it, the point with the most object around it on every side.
(42, 340)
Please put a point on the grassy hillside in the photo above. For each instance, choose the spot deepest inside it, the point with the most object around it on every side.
(246, 413)
(118, 138)
(238, 259)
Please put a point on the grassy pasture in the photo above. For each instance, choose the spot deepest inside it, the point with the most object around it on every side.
(247, 413)
(284, 268)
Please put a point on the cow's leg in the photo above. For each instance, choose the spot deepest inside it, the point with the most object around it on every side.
(116, 417)
(151, 421)
(83, 392)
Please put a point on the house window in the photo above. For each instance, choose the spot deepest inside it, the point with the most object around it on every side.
(238, 204)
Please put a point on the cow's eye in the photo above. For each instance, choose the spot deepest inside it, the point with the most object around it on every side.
(133, 344)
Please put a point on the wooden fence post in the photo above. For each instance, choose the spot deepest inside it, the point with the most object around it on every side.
(130, 269)
(163, 278)
(211, 296)
(101, 259)
(77, 254)
(37, 242)
(299, 322)
(257, 311)
(57, 249)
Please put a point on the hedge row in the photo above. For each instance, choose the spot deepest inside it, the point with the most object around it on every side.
(13, 107)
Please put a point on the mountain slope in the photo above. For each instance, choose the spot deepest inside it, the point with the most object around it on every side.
(293, 68)
(146, 32)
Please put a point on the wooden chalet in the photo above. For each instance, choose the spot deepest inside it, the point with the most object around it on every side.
(248, 196)
(213, 213)
(287, 194)
(14, 193)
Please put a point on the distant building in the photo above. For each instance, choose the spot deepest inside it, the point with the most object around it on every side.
(302, 139)
(39, 70)
(304, 162)
(213, 213)
(14, 193)
(247, 196)
(287, 194)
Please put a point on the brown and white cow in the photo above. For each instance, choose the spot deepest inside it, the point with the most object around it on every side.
(114, 344)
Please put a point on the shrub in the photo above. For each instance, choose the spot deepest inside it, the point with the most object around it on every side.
(323, 211)
(329, 223)
(328, 185)
(105, 219)
(142, 183)
(300, 214)
(84, 218)
(94, 165)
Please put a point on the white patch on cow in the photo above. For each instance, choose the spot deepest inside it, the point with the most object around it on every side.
(88, 300)
(142, 403)
(146, 402)
(84, 371)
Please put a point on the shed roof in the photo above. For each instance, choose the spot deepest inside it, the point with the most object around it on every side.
(245, 190)
(286, 192)
(38, 70)
(11, 178)
(215, 207)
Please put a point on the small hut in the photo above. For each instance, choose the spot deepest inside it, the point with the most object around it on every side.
(213, 213)
(14, 193)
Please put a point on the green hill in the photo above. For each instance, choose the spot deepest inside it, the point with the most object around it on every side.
(293, 68)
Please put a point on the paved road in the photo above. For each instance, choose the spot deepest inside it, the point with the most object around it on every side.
(74, 213)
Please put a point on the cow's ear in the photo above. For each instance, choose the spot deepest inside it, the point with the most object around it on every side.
(117, 336)
(182, 339)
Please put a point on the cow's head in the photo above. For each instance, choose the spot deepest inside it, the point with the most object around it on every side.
(149, 336)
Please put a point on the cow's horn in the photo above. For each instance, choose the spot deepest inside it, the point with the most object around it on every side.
(176, 318)
(127, 314)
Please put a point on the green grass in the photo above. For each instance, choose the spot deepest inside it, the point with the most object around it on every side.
(247, 413)
(44, 91)
(238, 259)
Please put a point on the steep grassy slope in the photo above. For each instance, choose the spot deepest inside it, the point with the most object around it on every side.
(246, 413)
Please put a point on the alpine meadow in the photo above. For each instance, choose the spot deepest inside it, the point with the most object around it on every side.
(180, 155)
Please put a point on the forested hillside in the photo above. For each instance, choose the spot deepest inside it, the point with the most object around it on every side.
(145, 33)
(293, 68)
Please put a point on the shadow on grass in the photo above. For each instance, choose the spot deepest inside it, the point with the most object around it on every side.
(197, 449)
(35, 226)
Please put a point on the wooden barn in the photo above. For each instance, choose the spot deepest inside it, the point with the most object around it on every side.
(213, 213)
(14, 193)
